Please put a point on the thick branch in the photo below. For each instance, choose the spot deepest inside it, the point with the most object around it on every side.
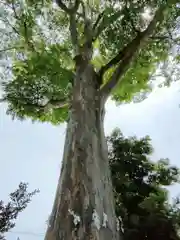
(66, 9)
(100, 24)
(72, 19)
(87, 23)
(54, 104)
(74, 33)
(121, 55)
(27, 40)
(125, 57)
(160, 38)
(95, 26)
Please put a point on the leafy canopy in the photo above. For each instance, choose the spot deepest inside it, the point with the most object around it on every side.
(37, 50)
(139, 188)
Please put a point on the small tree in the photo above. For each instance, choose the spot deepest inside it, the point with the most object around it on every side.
(9, 212)
(67, 58)
(141, 199)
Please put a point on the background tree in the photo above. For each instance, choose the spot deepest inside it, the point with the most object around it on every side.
(139, 186)
(66, 59)
(9, 212)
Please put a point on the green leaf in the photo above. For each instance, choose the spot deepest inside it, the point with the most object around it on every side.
(42, 64)
(141, 203)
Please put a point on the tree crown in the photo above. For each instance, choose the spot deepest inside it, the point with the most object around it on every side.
(139, 187)
(40, 40)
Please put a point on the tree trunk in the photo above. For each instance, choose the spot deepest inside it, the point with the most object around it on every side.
(84, 203)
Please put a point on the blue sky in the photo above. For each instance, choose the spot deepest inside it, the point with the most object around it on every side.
(33, 152)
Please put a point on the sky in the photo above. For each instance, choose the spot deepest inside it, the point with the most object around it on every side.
(32, 152)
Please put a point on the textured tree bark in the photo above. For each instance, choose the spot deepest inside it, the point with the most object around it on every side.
(84, 203)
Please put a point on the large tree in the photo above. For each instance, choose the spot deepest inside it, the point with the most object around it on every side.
(63, 60)
(140, 190)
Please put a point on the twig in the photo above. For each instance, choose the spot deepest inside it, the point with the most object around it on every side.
(10, 48)
(14, 10)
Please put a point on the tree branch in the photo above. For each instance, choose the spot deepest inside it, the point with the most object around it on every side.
(72, 19)
(6, 21)
(87, 25)
(101, 23)
(119, 57)
(51, 104)
(9, 48)
(69, 11)
(63, 6)
(54, 104)
(26, 37)
(130, 19)
(74, 33)
(14, 10)
(125, 57)
(97, 22)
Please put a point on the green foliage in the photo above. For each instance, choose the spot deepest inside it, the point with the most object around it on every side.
(142, 69)
(41, 51)
(19, 200)
(37, 78)
(145, 65)
(139, 188)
